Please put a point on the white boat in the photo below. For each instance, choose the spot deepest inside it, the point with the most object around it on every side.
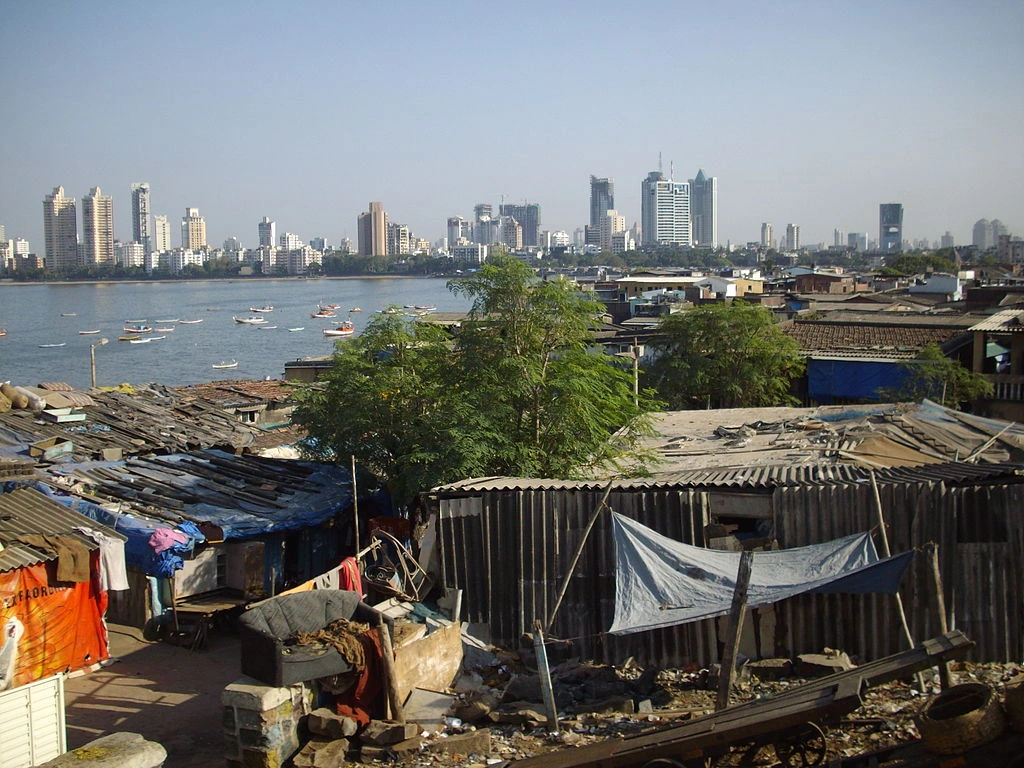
(222, 365)
(323, 313)
(87, 333)
(345, 329)
(168, 329)
(296, 330)
(141, 340)
(268, 327)
(356, 309)
(50, 346)
(250, 320)
(137, 329)
(190, 322)
(264, 308)
(69, 314)
(169, 320)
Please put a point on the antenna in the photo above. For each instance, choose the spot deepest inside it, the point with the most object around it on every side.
(659, 162)
(671, 170)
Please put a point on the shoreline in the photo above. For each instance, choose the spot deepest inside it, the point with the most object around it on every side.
(8, 283)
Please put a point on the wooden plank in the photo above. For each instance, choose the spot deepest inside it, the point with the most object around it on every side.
(727, 674)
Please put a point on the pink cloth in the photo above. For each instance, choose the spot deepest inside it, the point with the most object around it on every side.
(165, 538)
(349, 573)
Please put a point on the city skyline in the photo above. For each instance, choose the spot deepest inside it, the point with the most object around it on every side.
(783, 104)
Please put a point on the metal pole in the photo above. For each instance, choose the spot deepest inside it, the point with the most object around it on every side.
(355, 503)
(92, 363)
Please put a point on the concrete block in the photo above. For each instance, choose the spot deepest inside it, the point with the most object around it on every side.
(818, 664)
(381, 732)
(115, 750)
(471, 743)
(613, 705)
(247, 693)
(322, 754)
(324, 722)
(402, 749)
(770, 669)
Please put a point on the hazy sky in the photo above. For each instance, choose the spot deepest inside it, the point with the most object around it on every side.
(807, 112)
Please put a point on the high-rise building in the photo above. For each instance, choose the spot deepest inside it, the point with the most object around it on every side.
(610, 225)
(858, 241)
(161, 234)
(704, 209)
(890, 227)
(193, 230)
(947, 241)
(792, 237)
(141, 232)
(458, 229)
(528, 216)
(268, 232)
(482, 211)
(767, 235)
(838, 238)
(399, 239)
(981, 235)
(665, 211)
(60, 230)
(372, 229)
(98, 227)
(998, 230)
(510, 232)
(602, 200)
(290, 241)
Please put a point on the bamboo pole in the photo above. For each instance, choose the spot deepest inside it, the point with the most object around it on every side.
(355, 504)
(736, 612)
(387, 655)
(931, 550)
(544, 671)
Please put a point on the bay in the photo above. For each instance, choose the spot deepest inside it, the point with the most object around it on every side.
(34, 315)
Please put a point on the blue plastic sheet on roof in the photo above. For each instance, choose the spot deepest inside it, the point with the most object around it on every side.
(829, 380)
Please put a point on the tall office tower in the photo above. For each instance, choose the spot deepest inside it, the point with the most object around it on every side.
(602, 200)
(792, 237)
(838, 238)
(3, 233)
(485, 231)
(60, 230)
(981, 235)
(161, 234)
(458, 229)
(233, 245)
(610, 225)
(998, 230)
(483, 211)
(268, 232)
(372, 229)
(890, 227)
(704, 209)
(193, 230)
(528, 216)
(98, 227)
(665, 211)
(858, 241)
(947, 241)
(141, 232)
(767, 235)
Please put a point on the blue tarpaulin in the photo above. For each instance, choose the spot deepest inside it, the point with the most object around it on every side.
(829, 380)
(660, 582)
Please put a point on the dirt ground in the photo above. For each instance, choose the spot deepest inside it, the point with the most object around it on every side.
(167, 693)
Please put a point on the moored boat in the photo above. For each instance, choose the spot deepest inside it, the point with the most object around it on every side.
(222, 364)
(345, 329)
(323, 313)
(190, 322)
(267, 327)
(138, 328)
(50, 346)
(168, 329)
(264, 308)
(88, 333)
(296, 330)
(250, 320)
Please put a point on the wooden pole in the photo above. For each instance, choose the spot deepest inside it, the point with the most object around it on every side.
(579, 551)
(880, 516)
(544, 671)
(739, 605)
(931, 550)
(355, 504)
(387, 656)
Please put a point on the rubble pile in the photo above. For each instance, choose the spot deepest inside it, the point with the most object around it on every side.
(499, 715)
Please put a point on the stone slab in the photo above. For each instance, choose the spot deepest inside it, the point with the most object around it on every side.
(115, 750)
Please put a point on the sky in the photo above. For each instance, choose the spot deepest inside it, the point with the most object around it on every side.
(806, 112)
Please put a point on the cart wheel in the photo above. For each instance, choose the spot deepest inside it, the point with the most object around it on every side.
(801, 747)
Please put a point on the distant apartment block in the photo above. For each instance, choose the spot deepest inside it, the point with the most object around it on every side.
(602, 200)
(704, 209)
(267, 231)
(528, 217)
(98, 227)
(767, 235)
(665, 211)
(193, 231)
(161, 234)
(372, 231)
(890, 227)
(141, 231)
(60, 230)
(792, 237)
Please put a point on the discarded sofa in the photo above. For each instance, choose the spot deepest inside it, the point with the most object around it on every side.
(266, 627)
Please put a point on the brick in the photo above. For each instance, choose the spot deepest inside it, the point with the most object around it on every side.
(471, 743)
(247, 693)
(324, 722)
(382, 732)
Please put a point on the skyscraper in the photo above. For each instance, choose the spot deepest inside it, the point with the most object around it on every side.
(482, 211)
(704, 209)
(665, 211)
(161, 234)
(458, 229)
(193, 230)
(528, 216)
(792, 237)
(372, 229)
(268, 232)
(612, 224)
(98, 227)
(602, 200)
(60, 230)
(767, 235)
(141, 233)
(890, 227)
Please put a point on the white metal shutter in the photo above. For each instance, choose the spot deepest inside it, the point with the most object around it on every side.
(32, 726)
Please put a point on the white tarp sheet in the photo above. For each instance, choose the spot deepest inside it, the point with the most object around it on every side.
(661, 582)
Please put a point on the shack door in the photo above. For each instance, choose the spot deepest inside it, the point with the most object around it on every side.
(32, 723)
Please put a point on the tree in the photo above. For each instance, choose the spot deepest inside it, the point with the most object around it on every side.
(937, 377)
(724, 356)
(518, 390)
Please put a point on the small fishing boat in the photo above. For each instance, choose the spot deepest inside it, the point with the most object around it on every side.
(267, 327)
(426, 307)
(190, 322)
(264, 308)
(345, 329)
(88, 333)
(3, 331)
(222, 365)
(296, 330)
(170, 320)
(138, 328)
(168, 329)
(323, 313)
(69, 314)
(51, 346)
(356, 309)
(250, 320)
(141, 340)
(127, 338)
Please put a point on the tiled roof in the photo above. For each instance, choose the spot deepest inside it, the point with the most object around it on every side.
(815, 336)
(226, 393)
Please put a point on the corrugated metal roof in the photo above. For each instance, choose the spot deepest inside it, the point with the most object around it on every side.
(27, 511)
(1007, 321)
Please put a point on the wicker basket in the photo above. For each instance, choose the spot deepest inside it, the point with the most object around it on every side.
(1014, 704)
(961, 718)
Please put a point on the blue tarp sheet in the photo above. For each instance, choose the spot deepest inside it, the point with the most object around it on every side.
(660, 582)
(829, 380)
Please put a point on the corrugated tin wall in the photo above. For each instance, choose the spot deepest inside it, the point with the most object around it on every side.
(509, 551)
(980, 534)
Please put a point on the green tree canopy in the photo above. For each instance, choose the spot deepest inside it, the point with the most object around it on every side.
(939, 378)
(519, 390)
(724, 356)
